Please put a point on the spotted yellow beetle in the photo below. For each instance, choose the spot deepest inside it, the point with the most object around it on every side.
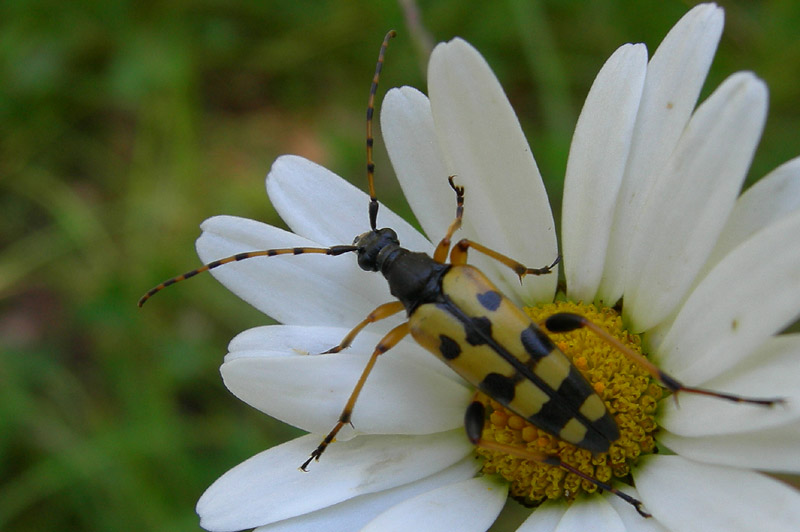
(455, 312)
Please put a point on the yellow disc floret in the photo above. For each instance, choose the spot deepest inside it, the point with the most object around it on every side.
(629, 393)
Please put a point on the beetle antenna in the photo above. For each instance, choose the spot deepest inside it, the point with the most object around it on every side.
(373, 200)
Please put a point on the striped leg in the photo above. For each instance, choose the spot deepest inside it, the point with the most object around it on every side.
(459, 256)
(382, 312)
(444, 245)
(565, 322)
(474, 421)
(390, 340)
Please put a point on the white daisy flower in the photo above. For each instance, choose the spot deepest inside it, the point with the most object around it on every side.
(651, 215)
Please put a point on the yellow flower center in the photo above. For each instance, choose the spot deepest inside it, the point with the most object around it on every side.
(630, 395)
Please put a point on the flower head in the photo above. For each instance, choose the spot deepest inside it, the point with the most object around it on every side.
(652, 217)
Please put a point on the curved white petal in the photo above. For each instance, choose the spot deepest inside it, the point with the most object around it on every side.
(749, 296)
(323, 207)
(268, 487)
(772, 449)
(307, 289)
(486, 149)
(309, 392)
(545, 518)
(410, 137)
(769, 200)
(469, 505)
(685, 210)
(769, 372)
(691, 496)
(675, 76)
(354, 513)
(596, 163)
(591, 513)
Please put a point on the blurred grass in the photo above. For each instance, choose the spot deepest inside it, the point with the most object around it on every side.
(125, 124)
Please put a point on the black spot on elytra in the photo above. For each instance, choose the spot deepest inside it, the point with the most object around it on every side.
(553, 416)
(498, 387)
(537, 344)
(490, 300)
(448, 347)
(479, 331)
(574, 389)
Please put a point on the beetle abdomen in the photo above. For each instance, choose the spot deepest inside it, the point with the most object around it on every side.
(495, 346)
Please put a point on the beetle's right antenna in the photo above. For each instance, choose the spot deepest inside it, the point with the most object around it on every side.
(373, 200)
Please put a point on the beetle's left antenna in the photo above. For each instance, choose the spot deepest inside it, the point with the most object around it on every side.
(373, 200)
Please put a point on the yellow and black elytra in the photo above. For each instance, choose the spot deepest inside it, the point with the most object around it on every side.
(455, 312)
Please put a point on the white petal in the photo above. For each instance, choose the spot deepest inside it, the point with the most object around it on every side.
(675, 76)
(769, 200)
(323, 207)
(410, 137)
(268, 487)
(309, 391)
(511, 516)
(354, 513)
(487, 150)
(774, 196)
(308, 289)
(596, 162)
(749, 296)
(685, 210)
(471, 504)
(545, 518)
(773, 449)
(591, 513)
(691, 496)
(769, 372)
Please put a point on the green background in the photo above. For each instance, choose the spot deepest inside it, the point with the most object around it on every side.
(123, 125)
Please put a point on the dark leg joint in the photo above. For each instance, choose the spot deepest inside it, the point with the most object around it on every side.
(548, 269)
(314, 456)
(332, 350)
(636, 503)
(676, 386)
(564, 322)
(459, 190)
(671, 383)
(474, 420)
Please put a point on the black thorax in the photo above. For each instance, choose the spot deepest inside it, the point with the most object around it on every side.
(414, 278)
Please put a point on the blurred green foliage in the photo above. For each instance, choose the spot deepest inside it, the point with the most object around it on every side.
(124, 124)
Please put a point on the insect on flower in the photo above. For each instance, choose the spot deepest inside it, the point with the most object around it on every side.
(455, 312)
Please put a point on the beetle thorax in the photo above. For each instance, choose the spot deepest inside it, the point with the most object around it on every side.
(413, 277)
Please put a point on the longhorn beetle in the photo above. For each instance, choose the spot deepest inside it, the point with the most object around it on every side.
(455, 312)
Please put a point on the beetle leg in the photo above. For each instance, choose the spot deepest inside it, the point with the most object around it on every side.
(565, 321)
(555, 461)
(387, 342)
(383, 311)
(458, 255)
(474, 420)
(444, 244)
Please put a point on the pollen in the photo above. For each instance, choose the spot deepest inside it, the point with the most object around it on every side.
(627, 390)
